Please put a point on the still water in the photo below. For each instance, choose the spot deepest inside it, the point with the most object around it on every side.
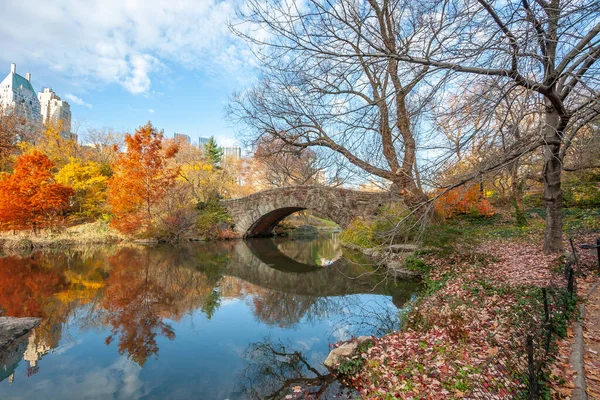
(227, 320)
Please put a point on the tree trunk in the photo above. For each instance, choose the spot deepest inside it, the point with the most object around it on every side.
(552, 176)
(517, 195)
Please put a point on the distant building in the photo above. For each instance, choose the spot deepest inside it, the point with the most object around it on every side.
(182, 137)
(202, 141)
(232, 153)
(17, 95)
(55, 110)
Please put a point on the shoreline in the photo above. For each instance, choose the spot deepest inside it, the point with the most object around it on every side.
(443, 346)
(79, 235)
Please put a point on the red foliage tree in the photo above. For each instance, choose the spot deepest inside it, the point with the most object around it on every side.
(466, 199)
(141, 179)
(29, 198)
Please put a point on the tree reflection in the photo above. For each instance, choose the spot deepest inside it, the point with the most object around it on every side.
(132, 290)
(275, 372)
(132, 298)
(25, 286)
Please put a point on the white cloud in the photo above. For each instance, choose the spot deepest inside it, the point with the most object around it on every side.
(151, 110)
(100, 42)
(77, 100)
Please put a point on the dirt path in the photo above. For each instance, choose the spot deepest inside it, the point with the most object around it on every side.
(590, 287)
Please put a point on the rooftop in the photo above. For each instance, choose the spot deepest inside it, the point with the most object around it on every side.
(15, 80)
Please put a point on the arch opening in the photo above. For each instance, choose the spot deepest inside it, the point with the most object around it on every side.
(265, 224)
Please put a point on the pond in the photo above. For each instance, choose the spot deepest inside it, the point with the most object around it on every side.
(227, 320)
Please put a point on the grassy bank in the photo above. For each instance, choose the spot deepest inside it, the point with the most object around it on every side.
(466, 335)
(83, 234)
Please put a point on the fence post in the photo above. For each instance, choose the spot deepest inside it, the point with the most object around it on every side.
(575, 256)
(546, 310)
(532, 374)
(598, 250)
(570, 281)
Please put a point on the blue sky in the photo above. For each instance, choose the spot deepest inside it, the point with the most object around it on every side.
(121, 63)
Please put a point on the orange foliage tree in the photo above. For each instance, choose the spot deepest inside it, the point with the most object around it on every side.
(29, 198)
(141, 179)
(466, 199)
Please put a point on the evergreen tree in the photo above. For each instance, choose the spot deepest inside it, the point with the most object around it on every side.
(213, 152)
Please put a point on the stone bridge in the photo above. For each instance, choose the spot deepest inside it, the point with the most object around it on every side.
(259, 213)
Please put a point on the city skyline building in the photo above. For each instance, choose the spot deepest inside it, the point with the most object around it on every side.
(232, 152)
(55, 110)
(202, 141)
(17, 95)
(182, 137)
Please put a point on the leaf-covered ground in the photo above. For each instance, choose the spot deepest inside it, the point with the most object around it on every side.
(589, 290)
(465, 338)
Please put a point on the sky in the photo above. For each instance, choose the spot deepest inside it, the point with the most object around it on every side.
(121, 63)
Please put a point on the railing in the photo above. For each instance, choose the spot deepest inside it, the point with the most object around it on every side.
(520, 369)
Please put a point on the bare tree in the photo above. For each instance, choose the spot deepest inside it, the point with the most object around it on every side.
(333, 72)
(549, 48)
(321, 87)
(103, 145)
(285, 165)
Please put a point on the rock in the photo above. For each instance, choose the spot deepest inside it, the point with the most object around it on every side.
(397, 269)
(11, 329)
(400, 248)
(305, 231)
(374, 253)
(345, 351)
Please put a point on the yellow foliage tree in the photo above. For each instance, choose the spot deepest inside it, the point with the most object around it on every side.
(55, 144)
(89, 184)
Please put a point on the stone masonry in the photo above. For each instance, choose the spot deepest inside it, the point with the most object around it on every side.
(259, 213)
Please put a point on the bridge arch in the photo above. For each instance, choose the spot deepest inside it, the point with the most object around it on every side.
(259, 213)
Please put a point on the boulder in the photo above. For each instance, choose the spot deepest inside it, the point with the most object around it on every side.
(344, 351)
(397, 270)
(11, 329)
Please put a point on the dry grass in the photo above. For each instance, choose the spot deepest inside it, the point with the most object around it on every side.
(88, 233)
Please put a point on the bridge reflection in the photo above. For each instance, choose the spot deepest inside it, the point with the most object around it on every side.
(131, 292)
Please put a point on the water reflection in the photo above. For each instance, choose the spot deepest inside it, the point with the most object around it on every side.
(275, 371)
(321, 251)
(137, 300)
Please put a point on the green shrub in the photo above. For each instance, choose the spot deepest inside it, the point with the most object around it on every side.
(577, 193)
(210, 215)
(374, 232)
(360, 233)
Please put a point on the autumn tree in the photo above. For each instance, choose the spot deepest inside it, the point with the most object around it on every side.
(103, 146)
(55, 144)
(8, 138)
(30, 198)
(89, 183)
(204, 179)
(141, 179)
